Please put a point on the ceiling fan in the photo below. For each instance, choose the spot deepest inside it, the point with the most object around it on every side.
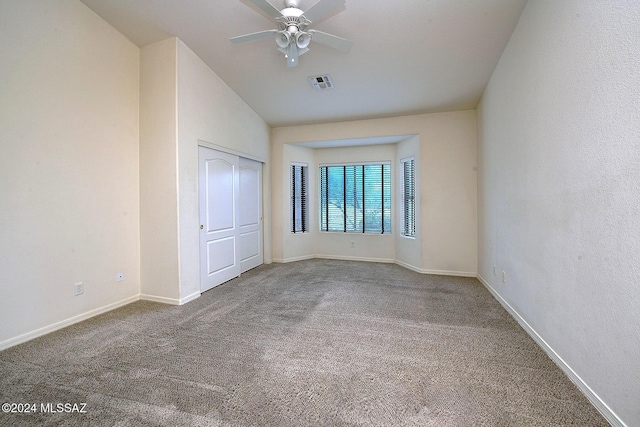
(293, 34)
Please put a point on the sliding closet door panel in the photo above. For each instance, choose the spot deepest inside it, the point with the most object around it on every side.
(220, 194)
(221, 254)
(251, 254)
(219, 182)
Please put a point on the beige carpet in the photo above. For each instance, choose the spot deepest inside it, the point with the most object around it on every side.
(312, 343)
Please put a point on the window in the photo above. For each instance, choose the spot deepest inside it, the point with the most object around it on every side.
(408, 221)
(356, 198)
(299, 214)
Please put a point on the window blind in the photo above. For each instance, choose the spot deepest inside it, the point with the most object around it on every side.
(409, 198)
(299, 210)
(355, 198)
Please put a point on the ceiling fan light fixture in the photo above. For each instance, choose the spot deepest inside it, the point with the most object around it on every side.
(283, 38)
(302, 39)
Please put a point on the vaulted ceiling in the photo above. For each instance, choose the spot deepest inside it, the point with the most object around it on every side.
(408, 57)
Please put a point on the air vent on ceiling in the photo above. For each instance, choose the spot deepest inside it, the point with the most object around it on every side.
(321, 82)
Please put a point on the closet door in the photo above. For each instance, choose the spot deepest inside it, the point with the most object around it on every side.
(219, 181)
(250, 214)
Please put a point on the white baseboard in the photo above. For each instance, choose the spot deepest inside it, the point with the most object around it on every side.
(191, 297)
(408, 266)
(450, 273)
(170, 301)
(595, 400)
(354, 258)
(383, 260)
(163, 300)
(294, 259)
(64, 323)
(336, 257)
(436, 272)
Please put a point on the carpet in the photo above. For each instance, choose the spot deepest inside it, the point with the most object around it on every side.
(310, 343)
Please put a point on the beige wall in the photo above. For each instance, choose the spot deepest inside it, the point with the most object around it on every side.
(69, 167)
(158, 172)
(286, 245)
(445, 146)
(559, 191)
(408, 250)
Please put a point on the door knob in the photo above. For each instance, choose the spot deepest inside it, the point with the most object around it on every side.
(201, 227)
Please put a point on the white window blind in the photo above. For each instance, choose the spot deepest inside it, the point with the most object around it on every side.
(299, 211)
(356, 198)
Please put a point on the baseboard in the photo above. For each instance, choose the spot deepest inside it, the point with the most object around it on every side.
(170, 301)
(595, 400)
(189, 298)
(163, 300)
(354, 258)
(64, 323)
(336, 257)
(436, 272)
(408, 266)
(449, 273)
(294, 259)
(383, 260)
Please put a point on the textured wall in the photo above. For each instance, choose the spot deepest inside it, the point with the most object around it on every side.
(559, 188)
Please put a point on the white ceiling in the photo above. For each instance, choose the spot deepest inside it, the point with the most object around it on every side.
(408, 57)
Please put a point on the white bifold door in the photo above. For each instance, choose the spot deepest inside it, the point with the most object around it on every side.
(230, 216)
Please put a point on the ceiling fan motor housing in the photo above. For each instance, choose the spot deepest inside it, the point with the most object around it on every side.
(293, 29)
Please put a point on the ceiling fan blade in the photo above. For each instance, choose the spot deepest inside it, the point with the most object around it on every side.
(322, 9)
(267, 8)
(253, 36)
(330, 40)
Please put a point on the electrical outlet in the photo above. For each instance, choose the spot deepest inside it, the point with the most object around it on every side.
(119, 276)
(78, 289)
(504, 277)
(353, 244)
(494, 269)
